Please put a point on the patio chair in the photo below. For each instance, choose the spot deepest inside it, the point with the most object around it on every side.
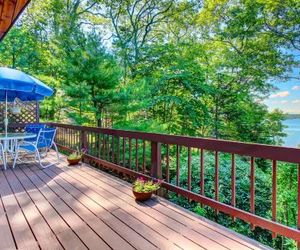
(33, 128)
(44, 142)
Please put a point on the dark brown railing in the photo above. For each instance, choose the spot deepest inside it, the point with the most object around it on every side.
(150, 155)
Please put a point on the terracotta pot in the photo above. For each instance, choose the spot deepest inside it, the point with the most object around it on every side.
(142, 196)
(73, 162)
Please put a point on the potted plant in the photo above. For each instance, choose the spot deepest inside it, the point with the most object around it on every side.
(143, 188)
(75, 157)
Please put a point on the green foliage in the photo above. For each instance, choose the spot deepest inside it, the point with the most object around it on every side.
(145, 186)
(91, 79)
(74, 156)
(77, 154)
(199, 68)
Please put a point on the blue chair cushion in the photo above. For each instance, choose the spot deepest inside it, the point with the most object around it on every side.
(31, 148)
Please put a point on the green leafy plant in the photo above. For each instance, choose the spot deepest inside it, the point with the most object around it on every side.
(142, 185)
(77, 155)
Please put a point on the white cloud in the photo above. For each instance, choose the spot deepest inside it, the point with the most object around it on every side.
(296, 87)
(280, 94)
(296, 101)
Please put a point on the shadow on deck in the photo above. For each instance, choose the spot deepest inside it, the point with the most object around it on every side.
(82, 208)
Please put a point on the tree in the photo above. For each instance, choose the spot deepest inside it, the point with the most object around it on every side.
(133, 24)
(240, 57)
(91, 76)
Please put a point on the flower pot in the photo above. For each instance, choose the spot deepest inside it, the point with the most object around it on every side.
(142, 196)
(73, 162)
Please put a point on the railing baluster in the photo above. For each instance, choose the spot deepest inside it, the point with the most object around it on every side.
(137, 155)
(177, 165)
(168, 163)
(118, 151)
(99, 145)
(130, 147)
(189, 169)
(84, 141)
(252, 188)
(63, 136)
(94, 143)
(144, 156)
(124, 145)
(233, 179)
(74, 139)
(217, 177)
(68, 137)
(71, 139)
(274, 193)
(202, 192)
(104, 147)
(108, 148)
(112, 149)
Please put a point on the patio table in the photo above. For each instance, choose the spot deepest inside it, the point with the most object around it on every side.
(10, 141)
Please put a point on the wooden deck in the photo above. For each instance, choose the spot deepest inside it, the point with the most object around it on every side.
(82, 208)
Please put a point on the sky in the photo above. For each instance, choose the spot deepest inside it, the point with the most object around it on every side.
(287, 95)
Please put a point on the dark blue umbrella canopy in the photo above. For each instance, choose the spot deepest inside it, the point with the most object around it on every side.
(17, 84)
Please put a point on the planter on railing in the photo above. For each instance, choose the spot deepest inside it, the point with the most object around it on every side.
(140, 154)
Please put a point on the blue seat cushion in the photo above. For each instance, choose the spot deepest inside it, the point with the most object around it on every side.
(31, 148)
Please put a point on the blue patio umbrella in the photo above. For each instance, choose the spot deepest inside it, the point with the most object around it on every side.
(16, 84)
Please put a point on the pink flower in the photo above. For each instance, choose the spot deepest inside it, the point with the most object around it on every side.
(141, 179)
(159, 181)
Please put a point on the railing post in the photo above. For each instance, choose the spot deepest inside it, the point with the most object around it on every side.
(84, 142)
(156, 171)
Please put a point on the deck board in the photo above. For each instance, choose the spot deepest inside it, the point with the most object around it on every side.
(40, 228)
(64, 233)
(83, 208)
(6, 242)
(179, 216)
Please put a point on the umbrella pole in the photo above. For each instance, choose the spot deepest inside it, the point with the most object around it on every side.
(5, 125)
(6, 120)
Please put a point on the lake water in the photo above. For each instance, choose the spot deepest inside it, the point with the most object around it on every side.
(293, 132)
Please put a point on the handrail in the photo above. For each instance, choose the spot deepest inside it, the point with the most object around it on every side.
(108, 146)
(278, 153)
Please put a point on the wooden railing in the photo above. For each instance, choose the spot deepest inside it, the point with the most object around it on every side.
(152, 155)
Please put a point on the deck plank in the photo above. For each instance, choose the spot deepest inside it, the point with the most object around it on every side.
(227, 238)
(212, 230)
(67, 192)
(156, 225)
(40, 228)
(64, 233)
(179, 235)
(132, 235)
(79, 226)
(81, 207)
(20, 228)
(6, 242)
